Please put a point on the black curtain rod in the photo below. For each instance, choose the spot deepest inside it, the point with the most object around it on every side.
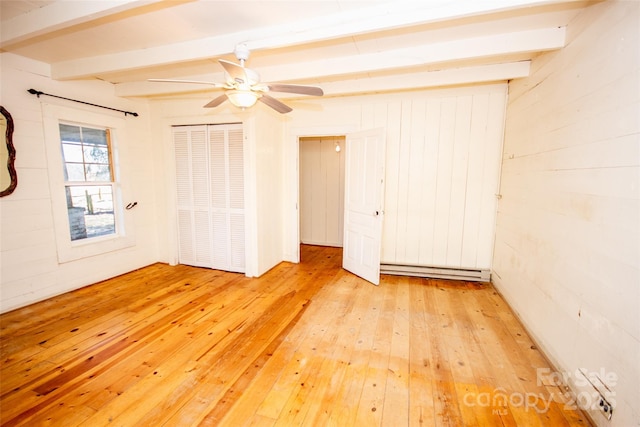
(38, 93)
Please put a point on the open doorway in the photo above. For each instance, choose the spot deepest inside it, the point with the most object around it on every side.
(321, 190)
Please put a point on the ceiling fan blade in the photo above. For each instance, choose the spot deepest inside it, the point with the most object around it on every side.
(275, 104)
(217, 101)
(236, 71)
(303, 90)
(220, 85)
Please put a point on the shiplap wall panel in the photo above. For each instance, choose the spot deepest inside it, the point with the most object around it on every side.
(319, 205)
(429, 162)
(309, 155)
(403, 228)
(390, 120)
(442, 167)
(266, 153)
(474, 181)
(30, 268)
(490, 178)
(415, 176)
(334, 191)
(460, 192)
(443, 194)
(442, 177)
(568, 229)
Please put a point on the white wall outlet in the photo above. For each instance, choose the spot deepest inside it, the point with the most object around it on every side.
(605, 408)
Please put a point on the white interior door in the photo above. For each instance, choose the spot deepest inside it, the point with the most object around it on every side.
(364, 186)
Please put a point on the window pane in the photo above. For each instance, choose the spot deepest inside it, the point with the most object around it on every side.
(69, 133)
(90, 211)
(98, 173)
(94, 136)
(74, 172)
(96, 154)
(72, 152)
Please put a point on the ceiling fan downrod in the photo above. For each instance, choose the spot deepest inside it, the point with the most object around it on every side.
(242, 53)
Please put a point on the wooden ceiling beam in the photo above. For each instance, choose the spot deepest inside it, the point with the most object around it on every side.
(382, 17)
(484, 49)
(429, 79)
(61, 15)
(474, 48)
(402, 81)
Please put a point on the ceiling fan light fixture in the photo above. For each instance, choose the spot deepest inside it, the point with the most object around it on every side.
(242, 98)
(243, 88)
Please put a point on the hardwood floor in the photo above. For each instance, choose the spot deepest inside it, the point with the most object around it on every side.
(306, 344)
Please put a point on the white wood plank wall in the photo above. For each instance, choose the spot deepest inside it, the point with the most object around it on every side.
(322, 190)
(567, 253)
(442, 169)
(264, 147)
(29, 267)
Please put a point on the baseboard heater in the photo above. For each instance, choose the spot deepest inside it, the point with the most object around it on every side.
(473, 275)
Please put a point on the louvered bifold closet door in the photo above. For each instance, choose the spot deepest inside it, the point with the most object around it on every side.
(219, 196)
(227, 196)
(210, 193)
(192, 182)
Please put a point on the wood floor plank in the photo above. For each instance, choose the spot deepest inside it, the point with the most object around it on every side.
(345, 404)
(312, 405)
(339, 359)
(396, 396)
(293, 376)
(305, 344)
(421, 407)
(371, 404)
(237, 408)
(240, 399)
(445, 396)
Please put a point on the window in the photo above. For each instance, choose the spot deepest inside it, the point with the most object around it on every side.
(89, 166)
(89, 180)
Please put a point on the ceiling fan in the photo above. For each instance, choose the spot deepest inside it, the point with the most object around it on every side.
(243, 88)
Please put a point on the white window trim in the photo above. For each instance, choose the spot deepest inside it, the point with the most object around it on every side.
(124, 237)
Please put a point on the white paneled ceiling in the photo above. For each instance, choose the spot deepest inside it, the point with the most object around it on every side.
(344, 46)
